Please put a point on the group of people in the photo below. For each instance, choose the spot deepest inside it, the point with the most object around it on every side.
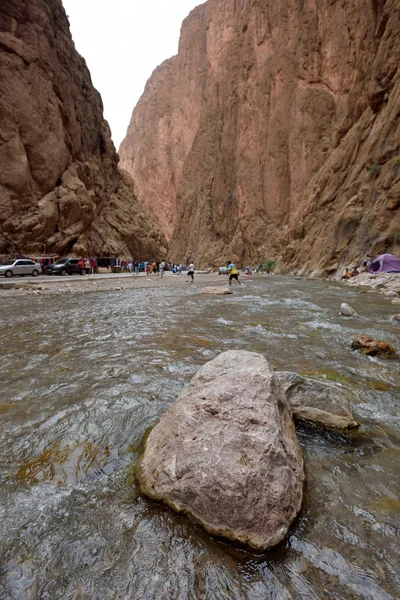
(154, 267)
(353, 272)
(87, 265)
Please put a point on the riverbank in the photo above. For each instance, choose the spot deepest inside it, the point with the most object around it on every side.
(385, 283)
(102, 283)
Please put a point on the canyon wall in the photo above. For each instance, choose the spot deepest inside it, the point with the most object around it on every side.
(60, 187)
(274, 134)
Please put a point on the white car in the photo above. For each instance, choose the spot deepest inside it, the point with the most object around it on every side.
(21, 266)
(223, 271)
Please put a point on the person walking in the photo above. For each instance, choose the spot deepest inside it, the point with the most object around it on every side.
(191, 272)
(81, 266)
(233, 273)
(130, 266)
(162, 267)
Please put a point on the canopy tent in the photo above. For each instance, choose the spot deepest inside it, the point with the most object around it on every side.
(386, 263)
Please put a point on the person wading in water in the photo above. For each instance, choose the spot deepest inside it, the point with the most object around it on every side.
(233, 273)
(191, 272)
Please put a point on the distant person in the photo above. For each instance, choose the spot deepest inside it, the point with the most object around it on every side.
(137, 266)
(368, 262)
(130, 266)
(354, 272)
(233, 273)
(191, 272)
(147, 268)
(162, 267)
(93, 265)
(81, 266)
(346, 274)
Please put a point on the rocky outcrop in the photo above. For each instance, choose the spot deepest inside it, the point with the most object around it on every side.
(372, 347)
(319, 402)
(226, 453)
(274, 133)
(216, 291)
(60, 188)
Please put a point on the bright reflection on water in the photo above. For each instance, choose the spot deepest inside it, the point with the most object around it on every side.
(83, 377)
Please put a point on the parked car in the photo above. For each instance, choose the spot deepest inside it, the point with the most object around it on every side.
(20, 267)
(223, 271)
(64, 266)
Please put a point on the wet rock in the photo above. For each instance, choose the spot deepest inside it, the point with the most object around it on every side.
(319, 402)
(226, 453)
(391, 294)
(20, 581)
(216, 291)
(347, 311)
(396, 301)
(372, 347)
(7, 285)
(26, 286)
(396, 318)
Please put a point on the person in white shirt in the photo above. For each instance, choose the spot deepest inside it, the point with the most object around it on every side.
(191, 272)
(162, 267)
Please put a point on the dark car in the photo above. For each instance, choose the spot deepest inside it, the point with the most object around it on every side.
(64, 266)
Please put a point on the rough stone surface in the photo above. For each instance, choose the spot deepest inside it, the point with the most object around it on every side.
(322, 403)
(347, 311)
(383, 282)
(373, 347)
(226, 453)
(60, 187)
(274, 133)
(216, 291)
(396, 318)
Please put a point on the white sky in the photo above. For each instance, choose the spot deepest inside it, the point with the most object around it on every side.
(123, 41)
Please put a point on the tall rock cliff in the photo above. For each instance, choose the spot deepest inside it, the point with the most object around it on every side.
(60, 187)
(275, 133)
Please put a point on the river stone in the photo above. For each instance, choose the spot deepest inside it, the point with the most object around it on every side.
(396, 318)
(227, 454)
(216, 291)
(319, 402)
(372, 347)
(347, 311)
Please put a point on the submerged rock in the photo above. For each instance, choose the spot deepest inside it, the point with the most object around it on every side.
(227, 454)
(347, 311)
(319, 402)
(216, 291)
(372, 347)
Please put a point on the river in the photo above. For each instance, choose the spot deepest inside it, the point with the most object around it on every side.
(82, 378)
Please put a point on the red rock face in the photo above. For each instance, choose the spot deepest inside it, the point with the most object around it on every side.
(274, 134)
(60, 187)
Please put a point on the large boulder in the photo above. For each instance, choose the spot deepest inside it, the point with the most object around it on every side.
(372, 347)
(347, 311)
(227, 454)
(319, 402)
(216, 291)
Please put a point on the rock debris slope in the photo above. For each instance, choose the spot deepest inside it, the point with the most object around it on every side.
(60, 187)
(274, 133)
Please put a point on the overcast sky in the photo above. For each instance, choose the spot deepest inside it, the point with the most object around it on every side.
(122, 42)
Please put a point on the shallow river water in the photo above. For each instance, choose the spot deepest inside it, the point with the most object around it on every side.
(84, 376)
